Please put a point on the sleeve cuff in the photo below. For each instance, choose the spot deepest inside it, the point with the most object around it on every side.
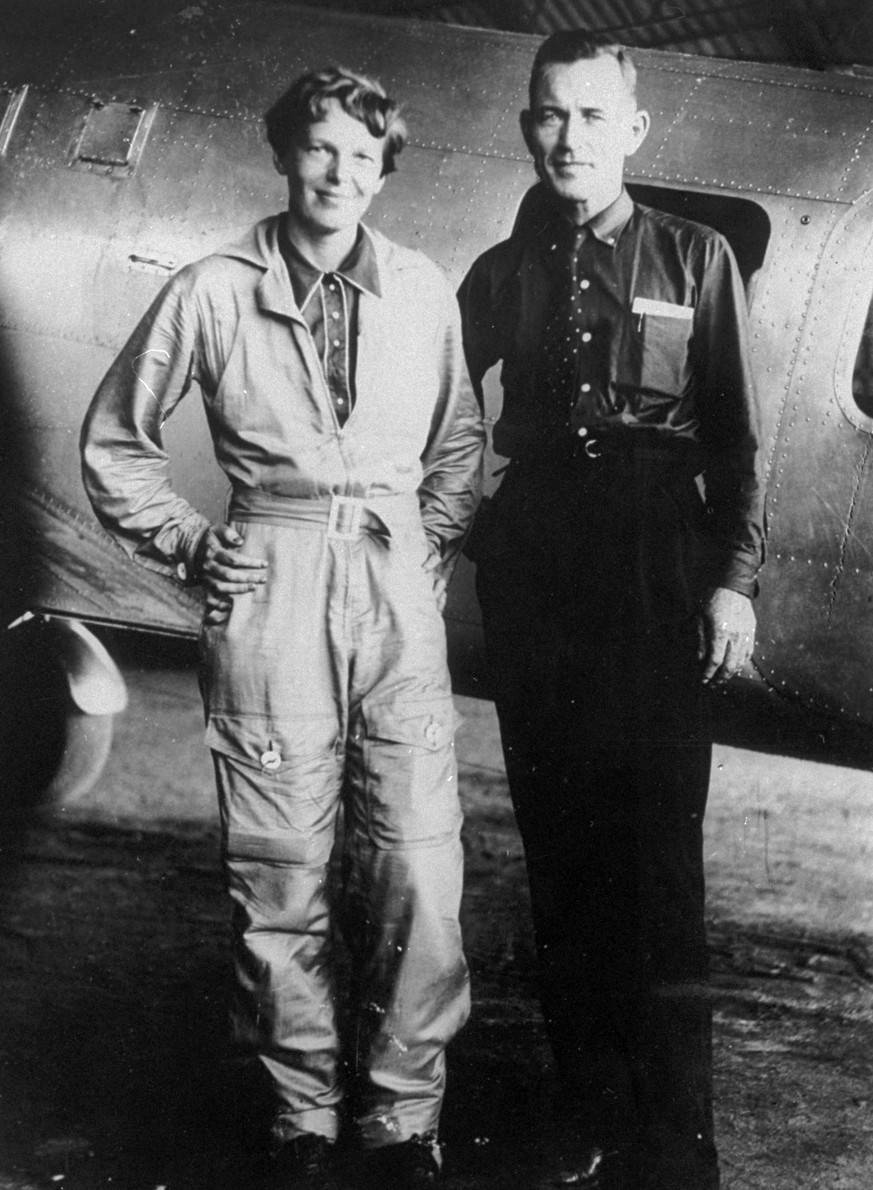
(175, 554)
(739, 575)
(187, 570)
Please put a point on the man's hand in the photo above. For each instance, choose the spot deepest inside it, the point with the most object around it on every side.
(225, 573)
(440, 591)
(434, 567)
(727, 634)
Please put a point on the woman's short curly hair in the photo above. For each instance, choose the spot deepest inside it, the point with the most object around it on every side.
(303, 104)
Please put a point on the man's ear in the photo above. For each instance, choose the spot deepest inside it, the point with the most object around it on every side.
(525, 119)
(638, 130)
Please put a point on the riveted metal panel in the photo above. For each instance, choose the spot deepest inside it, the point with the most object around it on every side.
(112, 137)
(855, 313)
(137, 52)
(761, 137)
(221, 174)
(48, 266)
(813, 610)
(663, 94)
(414, 204)
(208, 180)
(816, 415)
(700, 107)
(820, 498)
(251, 71)
(452, 103)
(780, 305)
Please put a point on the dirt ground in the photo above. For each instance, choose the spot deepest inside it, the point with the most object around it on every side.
(117, 1072)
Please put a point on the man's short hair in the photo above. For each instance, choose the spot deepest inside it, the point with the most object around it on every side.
(576, 45)
(304, 104)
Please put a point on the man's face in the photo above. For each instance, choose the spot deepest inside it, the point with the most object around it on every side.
(334, 171)
(583, 125)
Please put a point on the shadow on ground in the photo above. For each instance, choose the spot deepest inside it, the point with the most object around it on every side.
(116, 1070)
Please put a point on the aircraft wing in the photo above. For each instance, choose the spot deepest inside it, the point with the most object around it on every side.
(79, 573)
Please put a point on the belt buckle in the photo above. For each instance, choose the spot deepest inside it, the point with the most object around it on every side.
(344, 518)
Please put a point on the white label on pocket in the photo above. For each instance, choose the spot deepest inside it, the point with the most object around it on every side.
(665, 309)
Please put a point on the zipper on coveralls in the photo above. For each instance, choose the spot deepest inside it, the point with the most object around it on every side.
(326, 398)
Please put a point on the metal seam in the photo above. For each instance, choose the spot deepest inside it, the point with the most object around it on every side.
(847, 533)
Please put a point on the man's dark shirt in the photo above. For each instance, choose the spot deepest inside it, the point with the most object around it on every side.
(662, 346)
(329, 303)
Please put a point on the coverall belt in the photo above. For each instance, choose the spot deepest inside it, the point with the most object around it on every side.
(342, 516)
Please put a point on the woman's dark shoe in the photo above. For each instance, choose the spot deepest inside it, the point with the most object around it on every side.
(413, 1164)
(305, 1163)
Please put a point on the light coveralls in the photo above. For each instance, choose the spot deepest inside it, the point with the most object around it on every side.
(327, 685)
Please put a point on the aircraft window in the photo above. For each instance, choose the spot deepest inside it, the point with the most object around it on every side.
(113, 136)
(14, 104)
(743, 223)
(862, 376)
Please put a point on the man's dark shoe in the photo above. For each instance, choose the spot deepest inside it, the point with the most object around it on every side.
(592, 1168)
(413, 1164)
(305, 1163)
(584, 1170)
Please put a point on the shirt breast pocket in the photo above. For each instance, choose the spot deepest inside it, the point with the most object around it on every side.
(662, 350)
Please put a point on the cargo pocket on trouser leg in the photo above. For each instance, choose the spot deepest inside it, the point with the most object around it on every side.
(404, 870)
(278, 796)
(279, 791)
(406, 773)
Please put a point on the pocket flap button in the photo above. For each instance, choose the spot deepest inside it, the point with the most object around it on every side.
(270, 759)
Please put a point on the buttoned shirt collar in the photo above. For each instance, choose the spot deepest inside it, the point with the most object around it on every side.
(360, 268)
(547, 222)
(608, 224)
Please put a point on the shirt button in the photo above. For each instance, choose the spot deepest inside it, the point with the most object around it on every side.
(334, 315)
(582, 431)
(585, 388)
(270, 759)
(584, 283)
(340, 401)
(337, 342)
(586, 338)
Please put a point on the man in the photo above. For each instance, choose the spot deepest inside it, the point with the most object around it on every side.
(331, 368)
(612, 595)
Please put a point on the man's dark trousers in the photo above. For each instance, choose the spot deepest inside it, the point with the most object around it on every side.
(590, 577)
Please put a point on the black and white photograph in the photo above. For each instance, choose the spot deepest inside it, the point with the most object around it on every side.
(436, 576)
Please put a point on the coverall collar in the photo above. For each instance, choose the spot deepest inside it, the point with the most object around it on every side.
(359, 268)
(260, 247)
